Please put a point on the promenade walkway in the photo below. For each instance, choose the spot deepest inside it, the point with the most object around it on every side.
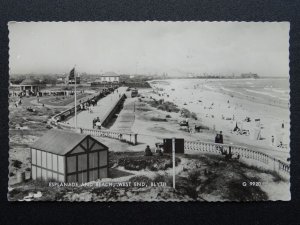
(103, 107)
(126, 118)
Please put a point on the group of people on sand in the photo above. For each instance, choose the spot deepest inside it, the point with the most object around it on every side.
(96, 123)
(158, 151)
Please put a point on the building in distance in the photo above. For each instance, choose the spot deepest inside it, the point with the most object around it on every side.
(107, 79)
(27, 87)
(249, 75)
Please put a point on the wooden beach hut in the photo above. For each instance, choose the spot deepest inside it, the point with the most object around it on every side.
(68, 157)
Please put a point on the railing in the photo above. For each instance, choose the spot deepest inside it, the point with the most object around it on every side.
(69, 112)
(127, 137)
(249, 156)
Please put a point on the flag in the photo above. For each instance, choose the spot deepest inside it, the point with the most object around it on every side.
(72, 74)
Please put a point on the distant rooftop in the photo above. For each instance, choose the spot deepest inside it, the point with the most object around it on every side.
(29, 81)
(110, 74)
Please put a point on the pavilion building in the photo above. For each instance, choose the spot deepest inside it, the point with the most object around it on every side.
(66, 156)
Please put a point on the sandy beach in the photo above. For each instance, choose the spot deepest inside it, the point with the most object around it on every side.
(220, 111)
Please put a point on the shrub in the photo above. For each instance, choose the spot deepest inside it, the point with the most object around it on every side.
(187, 114)
(163, 178)
(16, 164)
(158, 119)
(140, 179)
(194, 176)
(164, 106)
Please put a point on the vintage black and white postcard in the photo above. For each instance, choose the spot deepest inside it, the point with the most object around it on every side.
(149, 111)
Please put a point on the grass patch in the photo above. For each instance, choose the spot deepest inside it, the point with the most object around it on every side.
(164, 106)
(157, 119)
(187, 114)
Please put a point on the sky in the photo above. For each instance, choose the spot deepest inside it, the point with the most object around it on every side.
(175, 48)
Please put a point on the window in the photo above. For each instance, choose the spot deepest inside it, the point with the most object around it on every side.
(103, 173)
(72, 178)
(33, 172)
(55, 176)
(38, 173)
(103, 158)
(71, 164)
(93, 160)
(54, 161)
(44, 174)
(82, 177)
(33, 156)
(61, 178)
(93, 175)
(49, 161)
(61, 166)
(49, 175)
(44, 159)
(82, 162)
(38, 158)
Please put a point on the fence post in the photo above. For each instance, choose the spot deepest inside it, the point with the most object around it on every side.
(135, 139)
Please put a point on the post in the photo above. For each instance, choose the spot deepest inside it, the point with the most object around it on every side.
(135, 139)
(75, 101)
(173, 157)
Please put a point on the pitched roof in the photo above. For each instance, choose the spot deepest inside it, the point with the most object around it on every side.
(59, 142)
(29, 81)
(110, 74)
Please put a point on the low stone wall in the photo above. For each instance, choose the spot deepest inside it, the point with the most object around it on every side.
(129, 137)
(114, 108)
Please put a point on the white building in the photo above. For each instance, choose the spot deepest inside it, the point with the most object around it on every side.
(109, 78)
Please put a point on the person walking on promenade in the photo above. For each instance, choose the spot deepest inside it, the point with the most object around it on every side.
(94, 123)
(219, 140)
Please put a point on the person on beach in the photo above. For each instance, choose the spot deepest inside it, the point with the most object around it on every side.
(219, 140)
(148, 151)
(187, 121)
(273, 139)
(98, 125)
(94, 123)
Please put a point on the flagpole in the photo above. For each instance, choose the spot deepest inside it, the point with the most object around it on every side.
(75, 101)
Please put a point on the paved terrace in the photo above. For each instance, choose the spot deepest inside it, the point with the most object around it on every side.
(103, 107)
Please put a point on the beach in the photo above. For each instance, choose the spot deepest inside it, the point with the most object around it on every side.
(223, 104)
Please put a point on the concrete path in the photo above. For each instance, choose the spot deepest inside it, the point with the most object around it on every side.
(126, 117)
(104, 105)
